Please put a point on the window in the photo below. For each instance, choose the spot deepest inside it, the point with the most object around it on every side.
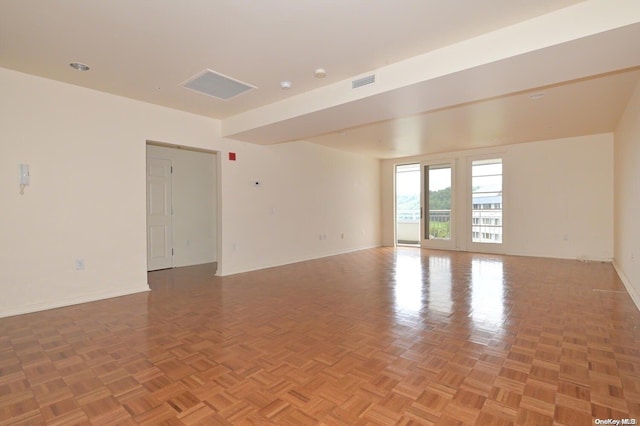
(486, 201)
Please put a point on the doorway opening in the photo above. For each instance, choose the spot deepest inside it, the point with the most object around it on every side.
(182, 206)
(407, 208)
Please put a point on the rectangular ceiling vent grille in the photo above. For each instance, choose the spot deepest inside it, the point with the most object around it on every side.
(370, 79)
(219, 86)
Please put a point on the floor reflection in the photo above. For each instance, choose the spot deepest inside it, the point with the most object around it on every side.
(487, 288)
(408, 283)
(440, 284)
(422, 282)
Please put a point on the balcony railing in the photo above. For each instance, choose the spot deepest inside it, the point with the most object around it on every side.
(411, 216)
(408, 216)
(486, 226)
(408, 225)
(440, 216)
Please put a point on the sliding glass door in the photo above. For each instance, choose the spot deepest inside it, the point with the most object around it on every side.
(438, 205)
(452, 204)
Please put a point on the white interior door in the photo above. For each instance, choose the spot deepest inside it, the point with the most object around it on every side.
(159, 227)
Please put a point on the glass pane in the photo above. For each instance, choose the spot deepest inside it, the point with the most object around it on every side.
(487, 167)
(439, 178)
(491, 183)
(486, 200)
(408, 204)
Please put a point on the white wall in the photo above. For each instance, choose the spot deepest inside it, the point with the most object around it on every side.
(87, 152)
(562, 188)
(194, 204)
(627, 196)
(86, 199)
(552, 189)
(306, 191)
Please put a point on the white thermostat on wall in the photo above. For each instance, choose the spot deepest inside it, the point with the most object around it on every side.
(24, 177)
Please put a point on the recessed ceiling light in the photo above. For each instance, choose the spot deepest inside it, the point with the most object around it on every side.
(79, 66)
(536, 96)
(320, 73)
(285, 85)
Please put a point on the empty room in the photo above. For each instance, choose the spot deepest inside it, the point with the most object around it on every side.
(359, 212)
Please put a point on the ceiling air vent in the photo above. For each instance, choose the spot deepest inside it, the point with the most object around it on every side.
(219, 86)
(370, 79)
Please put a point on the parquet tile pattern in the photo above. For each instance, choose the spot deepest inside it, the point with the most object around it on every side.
(387, 336)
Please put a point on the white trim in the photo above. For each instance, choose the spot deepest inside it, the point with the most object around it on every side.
(635, 296)
(70, 301)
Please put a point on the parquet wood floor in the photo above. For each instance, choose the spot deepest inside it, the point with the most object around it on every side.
(377, 337)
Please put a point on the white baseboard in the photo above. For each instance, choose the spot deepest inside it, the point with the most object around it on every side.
(635, 296)
(69, 301)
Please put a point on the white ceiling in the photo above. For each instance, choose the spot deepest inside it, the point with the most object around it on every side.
(145, 49)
